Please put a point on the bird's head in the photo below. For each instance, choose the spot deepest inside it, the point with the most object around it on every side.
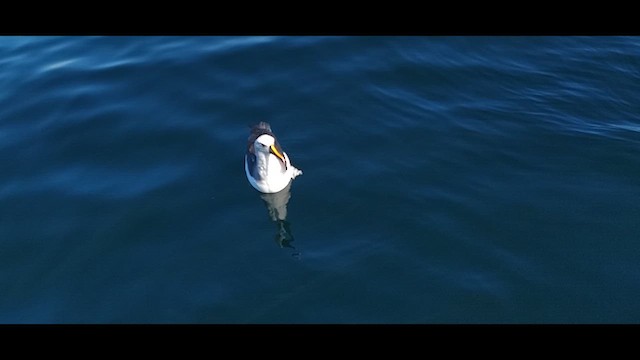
(267, 144)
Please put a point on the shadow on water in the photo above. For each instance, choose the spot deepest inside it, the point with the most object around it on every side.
(276, 204)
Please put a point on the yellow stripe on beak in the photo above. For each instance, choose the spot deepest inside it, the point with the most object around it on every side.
(277, 153)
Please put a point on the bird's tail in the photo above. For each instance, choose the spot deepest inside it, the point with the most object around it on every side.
(262, 125)
(296, 172)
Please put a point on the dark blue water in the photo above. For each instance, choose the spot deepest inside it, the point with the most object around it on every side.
(446, 180)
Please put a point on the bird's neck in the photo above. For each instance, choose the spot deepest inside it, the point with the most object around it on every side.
(262, 164)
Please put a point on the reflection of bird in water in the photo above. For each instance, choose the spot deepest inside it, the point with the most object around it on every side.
(277, 206)
(266, 165)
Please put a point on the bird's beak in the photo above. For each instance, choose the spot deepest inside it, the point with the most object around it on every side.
(277, 153)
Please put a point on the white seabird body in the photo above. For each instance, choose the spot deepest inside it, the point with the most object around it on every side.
(267, 167)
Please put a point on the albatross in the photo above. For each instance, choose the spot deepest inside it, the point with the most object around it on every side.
(267, 167)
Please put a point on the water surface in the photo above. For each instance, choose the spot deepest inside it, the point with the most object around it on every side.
(446, 180)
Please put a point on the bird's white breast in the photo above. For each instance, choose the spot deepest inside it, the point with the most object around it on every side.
(270, 169)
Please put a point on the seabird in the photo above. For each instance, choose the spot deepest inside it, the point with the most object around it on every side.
(267, 167)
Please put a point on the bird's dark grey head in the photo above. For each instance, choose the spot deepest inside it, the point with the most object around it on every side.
(258, 130)
(267, 143)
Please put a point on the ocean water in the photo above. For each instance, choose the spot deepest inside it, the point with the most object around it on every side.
(446, 180)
